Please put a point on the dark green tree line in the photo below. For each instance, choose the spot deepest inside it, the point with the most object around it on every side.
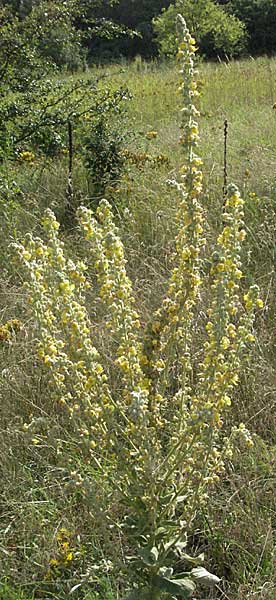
(81, 30)
(259, 17)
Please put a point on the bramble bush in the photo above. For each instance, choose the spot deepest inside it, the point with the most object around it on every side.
(151, 419)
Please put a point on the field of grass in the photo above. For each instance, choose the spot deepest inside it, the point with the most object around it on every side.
(40, 489)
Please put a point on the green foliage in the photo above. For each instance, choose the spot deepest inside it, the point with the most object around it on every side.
(11, 203)
(20, 62)
(259, 17)
(216, 32)
(135, 15)
(109, 29)
(10, 196)
(61, 43)
(37, 118)
(35, 106)
(33, 40)
(58, 32)
(8, 593)
(103, 157)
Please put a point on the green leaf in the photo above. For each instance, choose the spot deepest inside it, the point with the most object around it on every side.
(148, 555)
(193, 560)
(180, 545)
(178, 587)
(180, 499)
(165, 500)
(166, 571)
(203, 576)
(171, 523)
(137, 594)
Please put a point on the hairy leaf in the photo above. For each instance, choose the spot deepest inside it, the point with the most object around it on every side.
(181, 587)
(149, 555)
(203, 576)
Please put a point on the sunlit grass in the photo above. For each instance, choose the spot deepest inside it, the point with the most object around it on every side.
(243, 511)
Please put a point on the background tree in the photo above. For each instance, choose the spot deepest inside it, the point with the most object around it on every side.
(259, 17)
(216, 31)
(134, 15)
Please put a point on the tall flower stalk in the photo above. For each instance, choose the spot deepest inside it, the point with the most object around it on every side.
(176, 317)
(156, 413)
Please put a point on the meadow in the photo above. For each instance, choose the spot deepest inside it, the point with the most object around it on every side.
(58, 538)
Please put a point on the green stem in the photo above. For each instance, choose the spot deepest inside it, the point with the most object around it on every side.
(154, 594)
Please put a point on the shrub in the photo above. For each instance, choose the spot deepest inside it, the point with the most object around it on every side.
(217, 32)
(102, 151)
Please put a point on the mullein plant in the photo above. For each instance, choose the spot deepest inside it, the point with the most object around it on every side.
(156, 417)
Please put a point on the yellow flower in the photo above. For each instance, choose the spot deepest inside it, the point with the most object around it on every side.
(54, 562)
(225, 343)
(66, 287)
(259, 303)
(248, 302)
(39, 251)
(69, 557)
(250, 338)
(62, 534)
(26, 255)
(64, 546)
(52, 350)
(27, 156)
(231, 330)
(35, 442)
(241, 235)
(151, 135)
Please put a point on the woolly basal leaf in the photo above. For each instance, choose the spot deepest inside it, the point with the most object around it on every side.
(203, 576)
(177, 587)
(148, 555)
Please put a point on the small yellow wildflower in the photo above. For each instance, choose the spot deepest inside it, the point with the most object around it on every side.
(241, 235)
(63, 534)
(54, 562)
(35, 442)
(64, 545)
(69, 557)
(259, 303)
(250, 338)
(151, 135)
(27, 156)
(26, 255)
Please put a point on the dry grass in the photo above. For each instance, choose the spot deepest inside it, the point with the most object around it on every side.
(239, 531)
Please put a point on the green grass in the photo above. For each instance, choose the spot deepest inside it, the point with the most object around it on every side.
(9, 593)
(39, 494)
